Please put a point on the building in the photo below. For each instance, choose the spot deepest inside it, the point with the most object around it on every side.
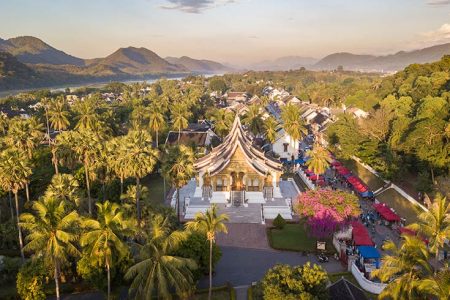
(233, 97)
(197, 134)
(255, 100)
(284, 146)
(286, 100)
(357, 113)
(241, 180)
(345, 290)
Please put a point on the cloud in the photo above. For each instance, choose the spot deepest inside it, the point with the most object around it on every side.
(194, 6)
(438, 2)
(441, 35)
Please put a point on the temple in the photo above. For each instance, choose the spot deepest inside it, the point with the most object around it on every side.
(240, 179)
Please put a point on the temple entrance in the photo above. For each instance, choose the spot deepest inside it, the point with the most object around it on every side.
(237, 181)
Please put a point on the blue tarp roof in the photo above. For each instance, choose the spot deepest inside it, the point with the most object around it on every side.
(367, 194)
(368, 252)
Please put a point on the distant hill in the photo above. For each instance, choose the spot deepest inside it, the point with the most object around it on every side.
(31, 50)
(14, 74)
(388, 63)
(136, 61)
(198, 65)
(284, 63)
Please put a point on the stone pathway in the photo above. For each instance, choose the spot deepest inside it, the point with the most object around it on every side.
(244, 236)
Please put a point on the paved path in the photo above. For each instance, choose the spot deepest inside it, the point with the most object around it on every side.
(240, 266)
(244, 236)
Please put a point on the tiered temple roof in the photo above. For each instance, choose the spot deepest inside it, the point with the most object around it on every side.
(219, 157)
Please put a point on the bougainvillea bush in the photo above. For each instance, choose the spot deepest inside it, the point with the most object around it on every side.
(327, 211)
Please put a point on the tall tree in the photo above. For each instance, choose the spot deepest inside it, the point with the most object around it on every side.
(86, 114)
(180, 115)
(435, 224)
(252, 119)
(209, 223)
(292, 122)
(15, 170)
(25, 134)
(178, 168)
(58, 114)
(65, 188)
(52, 232)
(157, 271)
(157, 120)
(104, 237)
(223, 120)
(319, 159)
(117, 152)
(140, 160)
(271, 126)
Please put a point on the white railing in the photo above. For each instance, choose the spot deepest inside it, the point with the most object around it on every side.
(366, 284)
(295, 185)
(173, 201)
(306, 180)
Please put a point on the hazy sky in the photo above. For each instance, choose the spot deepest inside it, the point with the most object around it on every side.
(229, 31)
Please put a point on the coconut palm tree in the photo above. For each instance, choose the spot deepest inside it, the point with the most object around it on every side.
(180, 115)
(209, 223)
(86, 114)
(223, 120)
(292, 122)
(157, 271)
(404, 269)
(58, 114)
(271, 126)
(140, 159)
(157, 120)
(178, 168)
(435, 224)
(104, 237)
(116, 154)
(15, 170)
(437, 286)
(53, 231)
(25, 134)
(319, 159)
(252, 119)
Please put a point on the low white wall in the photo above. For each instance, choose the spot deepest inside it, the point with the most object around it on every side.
(370, 286)
(271, 212)
(306, 180)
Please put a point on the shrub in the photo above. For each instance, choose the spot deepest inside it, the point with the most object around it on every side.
(279, 222)
(30, 280)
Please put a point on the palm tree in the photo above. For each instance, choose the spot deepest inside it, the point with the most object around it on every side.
(271, 126)
(65, 188)
(404, 269)
(140, 159)
(435, 224)
(252, 119)
(15, 170)
(292, 122)
(58, 114)
(180, 116)
(52, 233)
(319, 159)
(86, 114)
(158, 272)
(209, 223)
(437, 286)
(223, 120)
(25, 134)
(178, 168)
(157, 120)
(103, 238)
(116, 154)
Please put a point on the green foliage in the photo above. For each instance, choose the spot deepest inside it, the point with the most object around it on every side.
(9, 267)
(217, 84)
(299, 282)
(31, 280)
(196, 247)
(279, 222)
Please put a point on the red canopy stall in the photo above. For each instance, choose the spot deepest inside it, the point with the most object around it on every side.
(386, 212)
(360, 235)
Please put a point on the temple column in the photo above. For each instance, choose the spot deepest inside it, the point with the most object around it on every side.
(276, 189)
(198, 193)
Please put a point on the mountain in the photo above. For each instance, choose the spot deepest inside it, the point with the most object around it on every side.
(284, 63)
(136, 61)
(31, 50)
(387, 63)
(198, 65)
(14, 74)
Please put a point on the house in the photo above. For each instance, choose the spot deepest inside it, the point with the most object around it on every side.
(10, 113)
(284, 146)
(277, 94)
(345, 290)
(357, 113)
(286, 100)
(236, 97)
(255, 100)
(237, 108)
(196, 134)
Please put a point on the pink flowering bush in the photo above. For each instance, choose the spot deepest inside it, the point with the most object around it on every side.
(326, 211)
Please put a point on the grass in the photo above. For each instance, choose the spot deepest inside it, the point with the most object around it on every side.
(347, 275)
(155, 184)
(370, 179)
(400, 204)
(293, 237)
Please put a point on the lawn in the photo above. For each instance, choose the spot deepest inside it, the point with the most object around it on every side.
(370, 179)
(155, 184)
(220, 293)
(400, 204)
(293, 237)
(347, 275)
